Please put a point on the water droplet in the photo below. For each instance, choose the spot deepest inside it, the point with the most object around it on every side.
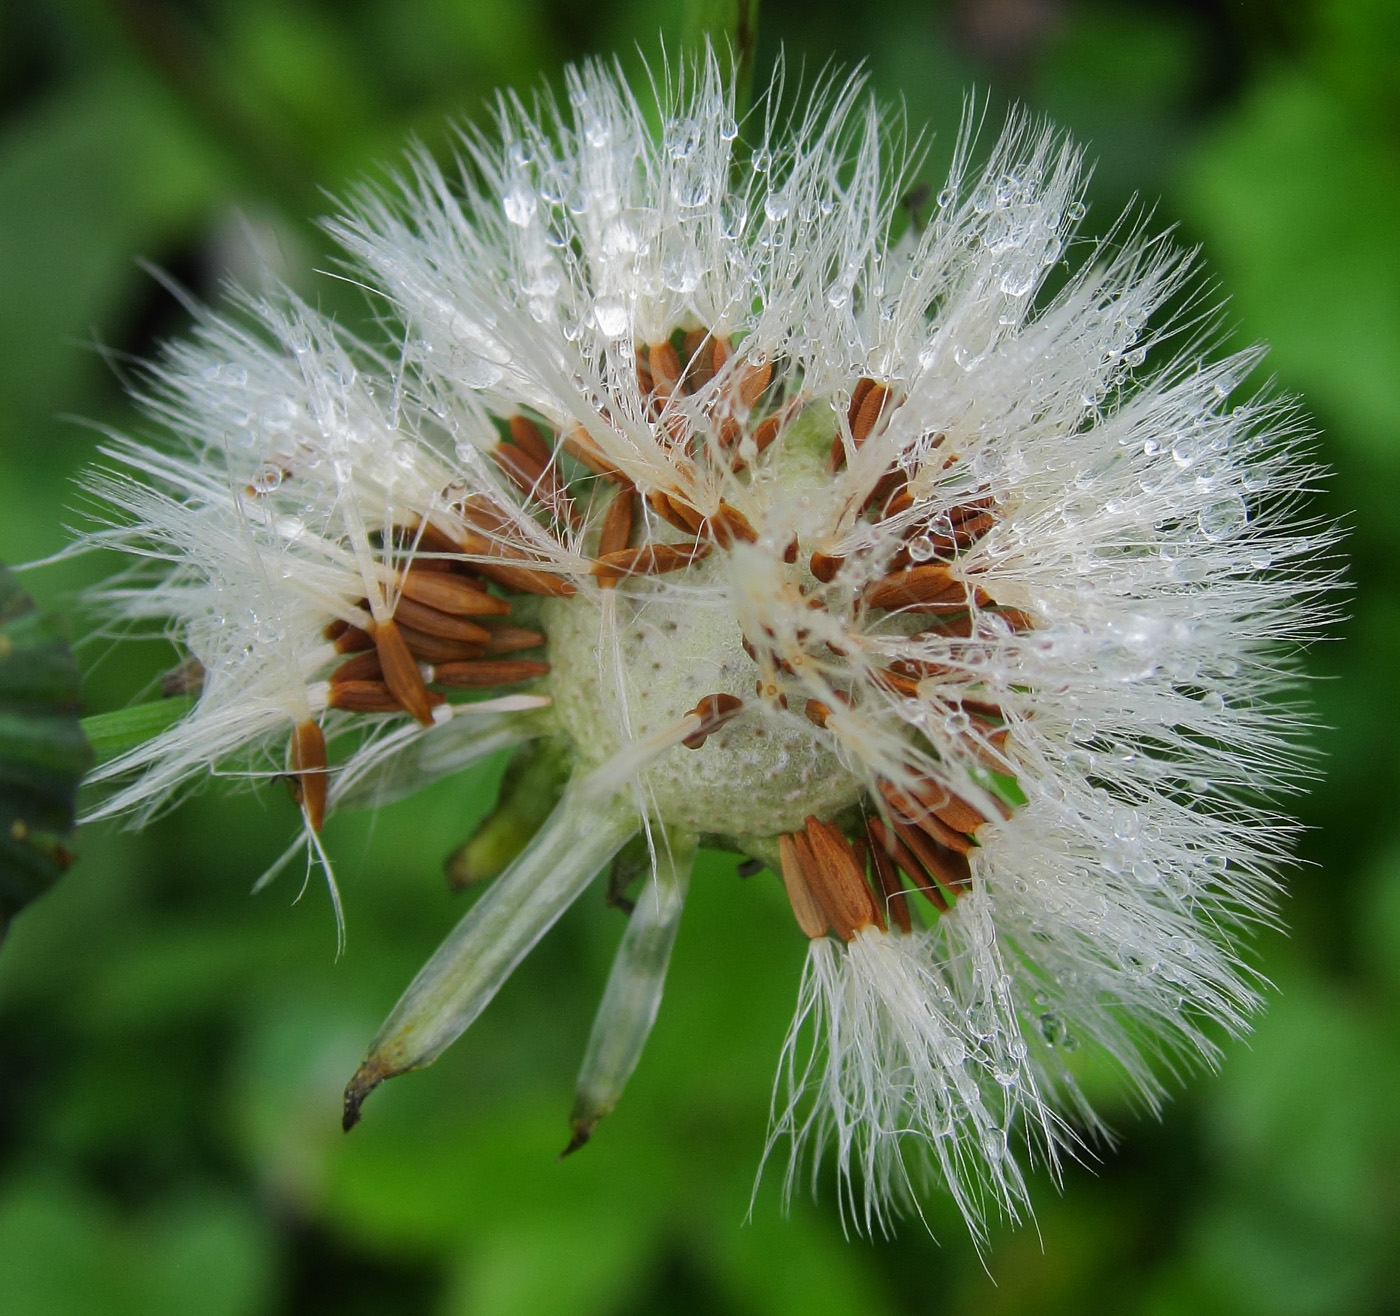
(230, 373)
(1225, 518)
(1075, 211)
(519, 204)
(1146, 873)
(610, 315)
(267, 478)
(946, 198)
(477, 372)
(776, 206)
(1019, 279)
(681, 138)
(681, 272)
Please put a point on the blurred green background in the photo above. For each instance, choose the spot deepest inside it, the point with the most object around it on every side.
(172, 1051)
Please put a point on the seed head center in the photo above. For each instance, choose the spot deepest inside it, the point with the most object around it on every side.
(632, 668)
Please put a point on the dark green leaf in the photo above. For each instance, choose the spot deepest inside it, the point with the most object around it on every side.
(43, 753)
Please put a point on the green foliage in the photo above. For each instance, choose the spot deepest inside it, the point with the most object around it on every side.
(43, 754)
(174, 1052)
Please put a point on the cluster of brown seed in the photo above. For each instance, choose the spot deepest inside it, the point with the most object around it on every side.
(843, 885)
(449, 631)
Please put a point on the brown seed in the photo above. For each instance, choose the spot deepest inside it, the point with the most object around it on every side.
(579, 444)
(451, 594)
(839, 885)
(950, 868)
(665, 363)
(891, 888)
(335, 629)
(714, 711)
(887, 842)
(440, 565)
(790, 553)
(729, 524)
(988, 712)
(526, 436)
(483, 673)
(766, 431)
(824, 566)
(537, 480)
(929, 587)
(911, 810)
(817, 712)
(1019, 621)
(921, 671)
(373, 697)
(401, 674)
(510, 639)
(972, 508)
(362, 667)
(955, 811)
(858, 395)
(753, 379)
(904, 686)
(527, 580)
(353, 640)
(867, 416)
(616, 530)
(443, 624)
(651, 559)
(900, 500)
(990, 749)
(308, 758)
(966, 533)
(671, 507)
(959, 627)
(795, 865)
(431, 538)
(434, 649)
(699, 360)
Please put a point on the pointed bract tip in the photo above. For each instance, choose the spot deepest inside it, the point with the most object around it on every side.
(368, 1077)
(583, 1131)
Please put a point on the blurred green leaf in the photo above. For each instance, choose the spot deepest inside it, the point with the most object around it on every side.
(1298, 204)
(43, 754)
(88, 183)
(63, 1251)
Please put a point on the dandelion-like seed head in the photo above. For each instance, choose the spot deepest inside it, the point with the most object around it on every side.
(765, 515)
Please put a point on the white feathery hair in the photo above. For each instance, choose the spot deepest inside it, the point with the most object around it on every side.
(1150, 534)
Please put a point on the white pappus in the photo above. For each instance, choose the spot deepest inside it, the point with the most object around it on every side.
(772, 519)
